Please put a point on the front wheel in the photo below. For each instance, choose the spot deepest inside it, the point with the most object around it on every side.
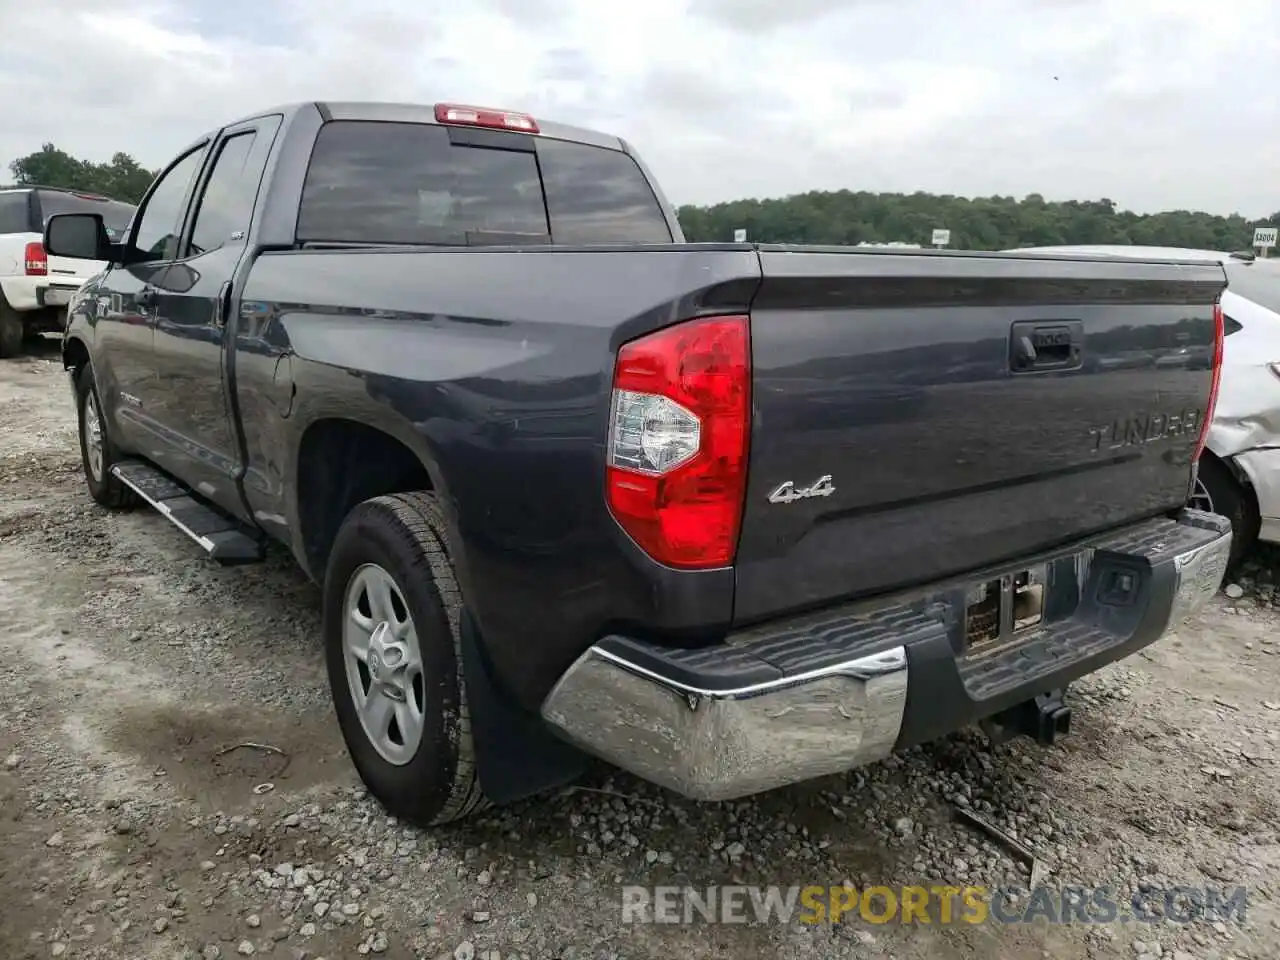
(97, 453)
(392, 611)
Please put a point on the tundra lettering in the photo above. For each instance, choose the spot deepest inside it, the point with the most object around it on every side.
(1145, 428)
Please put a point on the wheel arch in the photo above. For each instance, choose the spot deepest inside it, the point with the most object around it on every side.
(75, 353)
(341, 461)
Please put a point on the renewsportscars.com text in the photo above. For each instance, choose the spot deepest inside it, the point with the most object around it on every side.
(933, 904)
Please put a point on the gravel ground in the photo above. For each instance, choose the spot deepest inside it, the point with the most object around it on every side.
(172, 781)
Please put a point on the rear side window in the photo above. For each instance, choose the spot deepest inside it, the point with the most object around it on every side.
(15, 212)
(375, 182)
(115, 216)
(227, 204)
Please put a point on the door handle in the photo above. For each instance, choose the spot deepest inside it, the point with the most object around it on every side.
(1045, 345)
(146, 298)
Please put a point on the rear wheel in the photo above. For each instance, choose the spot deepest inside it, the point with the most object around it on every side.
(11, 331)
(97, 452)
(1218, 491)
(392, 613)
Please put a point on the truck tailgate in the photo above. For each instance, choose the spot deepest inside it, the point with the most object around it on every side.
(903, 432)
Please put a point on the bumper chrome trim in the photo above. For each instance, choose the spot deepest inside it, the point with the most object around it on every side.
(1198, 574)
(724, 744)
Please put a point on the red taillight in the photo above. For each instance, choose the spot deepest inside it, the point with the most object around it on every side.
(37, 261)
(457, 113)
(677, 457)
(1219, 334)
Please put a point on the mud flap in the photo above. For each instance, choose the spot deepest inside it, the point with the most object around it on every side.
(517, 754)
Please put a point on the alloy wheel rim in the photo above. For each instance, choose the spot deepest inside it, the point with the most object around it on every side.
(93, 435)
(383, 664)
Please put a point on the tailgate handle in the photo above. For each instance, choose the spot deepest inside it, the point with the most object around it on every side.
(1045, 345)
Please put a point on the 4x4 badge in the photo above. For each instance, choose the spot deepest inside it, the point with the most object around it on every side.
(789, 493)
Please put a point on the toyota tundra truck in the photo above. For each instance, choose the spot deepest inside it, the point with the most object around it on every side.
(728, 516)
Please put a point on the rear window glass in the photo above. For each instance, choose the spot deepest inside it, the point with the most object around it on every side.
(1259, 282)
(115, 216)
(15, 215)
(375, 182)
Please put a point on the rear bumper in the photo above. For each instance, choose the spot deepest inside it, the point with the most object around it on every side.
(1262, 466)
(822, 693)
(37, 293)
(56, 294)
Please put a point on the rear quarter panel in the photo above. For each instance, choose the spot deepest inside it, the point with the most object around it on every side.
(494, 366)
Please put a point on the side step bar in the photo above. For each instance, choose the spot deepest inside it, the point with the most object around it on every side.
(222, 538)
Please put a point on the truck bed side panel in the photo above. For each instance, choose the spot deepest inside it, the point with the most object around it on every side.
(494, 367)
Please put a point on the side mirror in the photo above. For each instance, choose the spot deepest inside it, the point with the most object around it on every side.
(80, 236)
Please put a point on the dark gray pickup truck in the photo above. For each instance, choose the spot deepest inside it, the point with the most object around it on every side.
(728, 516)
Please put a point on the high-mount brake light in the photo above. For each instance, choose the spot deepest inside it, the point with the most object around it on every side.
(460, 114)
(1219, 336)
(36, 261)
(678, 433)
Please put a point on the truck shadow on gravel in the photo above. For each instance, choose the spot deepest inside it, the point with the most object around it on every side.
(229, 757)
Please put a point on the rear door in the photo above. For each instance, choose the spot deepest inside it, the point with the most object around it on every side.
(191, 413)
(901, 435)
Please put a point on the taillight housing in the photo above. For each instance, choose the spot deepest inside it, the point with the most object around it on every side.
(1219, 335)
(678, 432)
(36, 260)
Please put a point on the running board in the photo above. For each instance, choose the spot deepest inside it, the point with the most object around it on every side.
(222, 538)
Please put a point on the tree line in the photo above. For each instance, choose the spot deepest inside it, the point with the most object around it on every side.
(121, 178)
(818, 217)
(981, 223)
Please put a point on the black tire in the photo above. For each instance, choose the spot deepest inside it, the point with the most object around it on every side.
(12, 331)
(404, 534)
(106, 490)
(1220, 492)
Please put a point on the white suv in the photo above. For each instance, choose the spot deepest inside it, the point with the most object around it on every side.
(35, 288)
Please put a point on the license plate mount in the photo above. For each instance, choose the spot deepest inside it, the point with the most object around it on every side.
(1003, 609)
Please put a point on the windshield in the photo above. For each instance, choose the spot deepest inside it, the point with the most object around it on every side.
(1259, 282)
(115, 215)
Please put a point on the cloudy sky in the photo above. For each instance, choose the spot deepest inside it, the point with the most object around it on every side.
(1156, 104)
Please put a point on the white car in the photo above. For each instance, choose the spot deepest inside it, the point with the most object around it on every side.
(35, 288)
(1240, 472)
